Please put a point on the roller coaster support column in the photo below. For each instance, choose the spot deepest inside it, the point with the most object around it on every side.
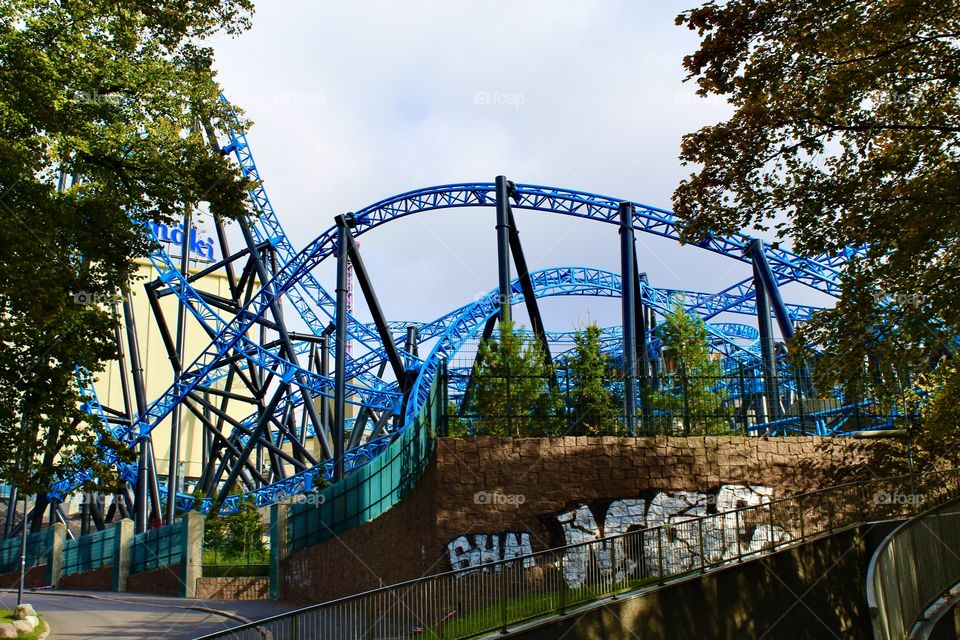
(643, 357)
(410, 346)
(627, 286)
(347, 250)
(503, 245)
(173, 470)
(340, 353)
(323, 368)
(765, 273)
(144, 468)
(526, 285)
(345, 223)
(654, 362)
(767, 349)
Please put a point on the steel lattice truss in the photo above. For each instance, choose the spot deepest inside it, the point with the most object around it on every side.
(263, 392)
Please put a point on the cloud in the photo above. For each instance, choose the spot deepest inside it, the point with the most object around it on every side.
(353, 102)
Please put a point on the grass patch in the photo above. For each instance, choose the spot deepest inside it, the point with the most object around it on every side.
(213, 556)
(524, 608)
(7, 616)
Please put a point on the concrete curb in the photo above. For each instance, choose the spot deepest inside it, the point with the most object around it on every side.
(92, 596)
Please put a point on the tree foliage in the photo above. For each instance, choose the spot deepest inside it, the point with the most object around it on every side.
(511, 390)
(690, 384)
(95, 100)
(844, 133)
(593, 407)
(237, 537)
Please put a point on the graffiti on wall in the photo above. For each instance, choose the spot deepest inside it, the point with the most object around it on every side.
(679, 544)
(466, 552)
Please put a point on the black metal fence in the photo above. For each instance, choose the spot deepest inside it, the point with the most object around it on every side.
(234, 548)
(498, 596)
(671, 404)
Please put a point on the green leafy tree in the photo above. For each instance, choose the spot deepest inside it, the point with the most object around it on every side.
(512, 394)
(235, 538)
(690, 385)
(96, 99)
(845, 132)
(591, 402)
(245, 530)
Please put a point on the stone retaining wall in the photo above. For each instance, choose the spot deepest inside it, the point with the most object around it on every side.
(233, 588)
(162, 582)
(97, 580)
(495, 485)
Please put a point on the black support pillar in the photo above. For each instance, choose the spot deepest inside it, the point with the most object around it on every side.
(627, 287)
(503, 246)
(340, 353)
(767, 350)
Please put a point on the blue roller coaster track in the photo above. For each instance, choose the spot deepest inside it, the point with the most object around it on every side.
(265, 395)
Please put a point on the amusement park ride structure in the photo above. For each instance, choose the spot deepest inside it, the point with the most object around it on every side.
(272, 401)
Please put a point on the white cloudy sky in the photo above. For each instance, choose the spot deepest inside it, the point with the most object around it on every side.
(356, 101)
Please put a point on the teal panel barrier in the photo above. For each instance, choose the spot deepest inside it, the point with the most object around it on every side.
(90, 552)
(157, 548)
(38, 548)
(371, 489)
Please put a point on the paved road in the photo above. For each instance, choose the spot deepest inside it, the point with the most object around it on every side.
(74, 614)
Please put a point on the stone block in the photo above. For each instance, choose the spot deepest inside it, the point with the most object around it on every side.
(23, 626)
(24, 610)
(7, 630)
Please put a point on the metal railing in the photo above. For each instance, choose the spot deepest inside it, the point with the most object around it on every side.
(493, 597)
(913, 567)
(726, 404)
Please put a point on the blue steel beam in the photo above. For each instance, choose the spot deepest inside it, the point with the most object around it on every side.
(231, 337)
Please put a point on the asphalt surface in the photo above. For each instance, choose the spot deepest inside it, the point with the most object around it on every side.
(73, 615)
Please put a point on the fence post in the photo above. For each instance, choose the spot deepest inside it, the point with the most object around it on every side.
(743, 402)
(563, 586)
(278, 545)
(739, 547)
(800, 507)
(829, 502)
(773, 543)
(121, 554)
(58, 533)
(703, 549)
(660, 553)
(191, 556)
